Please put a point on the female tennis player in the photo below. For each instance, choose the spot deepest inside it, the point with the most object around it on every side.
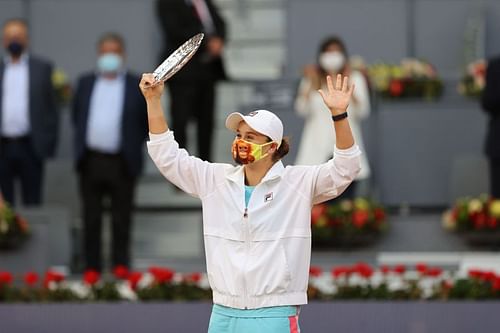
(256, 215)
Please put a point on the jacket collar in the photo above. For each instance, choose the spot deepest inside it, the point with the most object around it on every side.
(237, 174)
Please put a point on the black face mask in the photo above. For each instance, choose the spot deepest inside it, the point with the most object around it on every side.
(15, 48)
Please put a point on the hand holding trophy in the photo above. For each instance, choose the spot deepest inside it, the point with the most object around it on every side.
(152, 84)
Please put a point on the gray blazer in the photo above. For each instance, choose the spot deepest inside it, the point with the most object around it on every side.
(43, 109)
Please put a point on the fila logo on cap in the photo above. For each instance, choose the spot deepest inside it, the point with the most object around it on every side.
(253, 113)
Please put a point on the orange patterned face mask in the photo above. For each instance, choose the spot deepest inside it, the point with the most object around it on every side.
(245, 152)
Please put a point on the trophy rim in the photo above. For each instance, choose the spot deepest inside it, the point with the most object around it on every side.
(172, 64)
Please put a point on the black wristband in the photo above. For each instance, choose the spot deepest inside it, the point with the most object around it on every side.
(340, 116)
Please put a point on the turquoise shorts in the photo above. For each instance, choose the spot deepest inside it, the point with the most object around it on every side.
(276, 319)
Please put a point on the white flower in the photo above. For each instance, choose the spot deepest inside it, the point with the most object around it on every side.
(204, 283)
(145, 281)
(80, 289)
(396, 284)
(341, 280)
(427, 285)
(448, 221)
(125, 291)
(411, 275)
(325, 284)
(475, 206)
(356, 280)
(177, 278)
(377, 279)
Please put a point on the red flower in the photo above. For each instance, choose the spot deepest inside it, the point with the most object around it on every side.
(91, 277)
(316, 212)
(396, 88)
(340, 270)
(400, 269)
(334, 222)
(434, 272)
(363, 269)
(385, 269)
(133, 279)
(489, 276)
(31, 278)
(22, 223)
(162, 275)
(479, 70)
(6, 278)
(359, 218)
(476, 274)
(492, 222)
(193, 278)
(52, 276)
(315, 271)
(447, 285)
(379, 214)
(121, 272)
(421, 268)
(496, 284)
(479, 220)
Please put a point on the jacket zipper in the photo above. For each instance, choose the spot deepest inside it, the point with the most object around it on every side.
(247, 247)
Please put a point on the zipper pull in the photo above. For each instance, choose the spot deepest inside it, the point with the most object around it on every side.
(246, 212)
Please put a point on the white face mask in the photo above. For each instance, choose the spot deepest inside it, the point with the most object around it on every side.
(332, 61)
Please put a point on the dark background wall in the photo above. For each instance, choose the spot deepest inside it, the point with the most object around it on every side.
(388, 30)
(379, 30)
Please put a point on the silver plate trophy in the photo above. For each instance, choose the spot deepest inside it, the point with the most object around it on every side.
(177, 59)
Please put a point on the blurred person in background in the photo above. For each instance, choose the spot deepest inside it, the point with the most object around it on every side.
(110, 126)
(29, 117)
(192, 90)
(491, 104)
(314, 147)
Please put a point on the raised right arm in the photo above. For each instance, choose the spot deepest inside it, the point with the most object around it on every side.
(152, 93)
(189, 173)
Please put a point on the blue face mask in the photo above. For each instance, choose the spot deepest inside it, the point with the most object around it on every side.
(109, 63)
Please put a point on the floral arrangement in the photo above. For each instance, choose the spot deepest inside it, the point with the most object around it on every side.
(13, 228)
(344, 220)
(360, 281)
(156, 284)
(469, 214)
(474, 79)
(424, 282)
(412, 78)
(62, 87)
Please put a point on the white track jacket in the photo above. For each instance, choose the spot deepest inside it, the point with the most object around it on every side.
(257, 256)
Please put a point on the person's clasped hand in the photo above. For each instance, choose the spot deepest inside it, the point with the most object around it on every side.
(151, 88)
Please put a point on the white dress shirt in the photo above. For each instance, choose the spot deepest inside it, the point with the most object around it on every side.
(105, 115)
(15, 98)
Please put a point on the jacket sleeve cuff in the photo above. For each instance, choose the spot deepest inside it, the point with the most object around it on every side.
(349, 152)
(161, 136)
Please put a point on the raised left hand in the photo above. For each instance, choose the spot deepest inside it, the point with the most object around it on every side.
(337, 98)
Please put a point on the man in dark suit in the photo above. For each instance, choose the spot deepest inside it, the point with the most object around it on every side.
(491, 104)
(192, 90)
(28, 116)
(110, 121)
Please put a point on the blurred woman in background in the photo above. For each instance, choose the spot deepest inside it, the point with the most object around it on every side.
(314, 147)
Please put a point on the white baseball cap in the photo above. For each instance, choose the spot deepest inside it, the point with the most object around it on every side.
(263, 121)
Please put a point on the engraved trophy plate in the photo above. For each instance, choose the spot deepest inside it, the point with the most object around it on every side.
(177, 59)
